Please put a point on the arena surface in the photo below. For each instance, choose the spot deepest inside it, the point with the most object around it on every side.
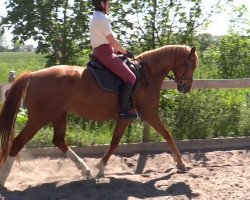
(210, 175)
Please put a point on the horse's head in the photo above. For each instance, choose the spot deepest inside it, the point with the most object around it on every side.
(179, 59)
(184, 70)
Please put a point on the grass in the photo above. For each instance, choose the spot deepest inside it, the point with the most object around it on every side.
(79, 135)
(19, 62)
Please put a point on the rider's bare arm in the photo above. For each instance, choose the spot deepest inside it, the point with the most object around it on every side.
(116, 44)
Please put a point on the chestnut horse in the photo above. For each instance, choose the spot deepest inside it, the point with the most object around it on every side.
(53, 92)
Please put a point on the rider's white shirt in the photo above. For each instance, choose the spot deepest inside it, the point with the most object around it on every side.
(99, 27)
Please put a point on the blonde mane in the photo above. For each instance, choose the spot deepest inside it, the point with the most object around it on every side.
(159, 59)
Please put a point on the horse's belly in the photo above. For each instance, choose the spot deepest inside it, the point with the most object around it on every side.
(94, 107)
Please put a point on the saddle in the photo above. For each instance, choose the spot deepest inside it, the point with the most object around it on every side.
(106, 79)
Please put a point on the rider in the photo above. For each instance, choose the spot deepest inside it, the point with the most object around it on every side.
(104, 45)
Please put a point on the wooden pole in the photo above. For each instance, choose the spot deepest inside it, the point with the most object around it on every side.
(146, 132)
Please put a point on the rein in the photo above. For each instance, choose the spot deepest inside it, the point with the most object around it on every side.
(139, 63)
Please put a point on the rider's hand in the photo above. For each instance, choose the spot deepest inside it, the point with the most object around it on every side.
(118, 52)
(129, 54)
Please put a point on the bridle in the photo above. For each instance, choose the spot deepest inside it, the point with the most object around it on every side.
(181, 80)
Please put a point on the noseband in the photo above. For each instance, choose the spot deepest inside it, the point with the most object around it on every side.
(181, 80)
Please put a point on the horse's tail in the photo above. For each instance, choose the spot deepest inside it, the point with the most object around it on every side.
(9, 112)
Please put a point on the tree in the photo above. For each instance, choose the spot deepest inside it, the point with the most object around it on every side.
(227, 56)
(239, 21)
(160, 22)
(233, 61)
(59, 26)
(3, 42)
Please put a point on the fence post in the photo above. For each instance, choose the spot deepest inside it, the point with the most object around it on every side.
(146, 132)
(4, 88)
(12, 76)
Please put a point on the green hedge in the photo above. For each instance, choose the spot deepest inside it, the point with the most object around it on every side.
(207, 113)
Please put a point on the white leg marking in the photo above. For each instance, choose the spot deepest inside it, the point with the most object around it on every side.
(80, 164)
(5, 169)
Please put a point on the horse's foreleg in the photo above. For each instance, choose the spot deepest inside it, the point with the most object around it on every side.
(157, 124)
(119, 130)
(59, 141)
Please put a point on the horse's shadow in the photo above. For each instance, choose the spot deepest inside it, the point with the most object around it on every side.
(116, 188)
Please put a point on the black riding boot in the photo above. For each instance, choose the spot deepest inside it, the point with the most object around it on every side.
(125, 95)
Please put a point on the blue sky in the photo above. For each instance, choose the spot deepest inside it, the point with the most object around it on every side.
(219, 26)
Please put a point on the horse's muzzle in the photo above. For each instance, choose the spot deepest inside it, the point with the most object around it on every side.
(183, 88)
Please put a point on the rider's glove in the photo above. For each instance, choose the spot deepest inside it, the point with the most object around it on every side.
(129, 54)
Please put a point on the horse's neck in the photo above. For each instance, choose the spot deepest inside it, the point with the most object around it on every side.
(152, 79)
(161, 68)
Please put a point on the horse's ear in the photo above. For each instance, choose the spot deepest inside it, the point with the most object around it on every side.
(192, 50)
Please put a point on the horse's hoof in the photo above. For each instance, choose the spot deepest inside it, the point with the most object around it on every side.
(181, 167)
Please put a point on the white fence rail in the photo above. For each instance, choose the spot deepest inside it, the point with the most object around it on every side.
(212, 83)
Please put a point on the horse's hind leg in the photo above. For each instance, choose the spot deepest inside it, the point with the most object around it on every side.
(119, 130)
(5, 169)
(25, 135)
(59, 140)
